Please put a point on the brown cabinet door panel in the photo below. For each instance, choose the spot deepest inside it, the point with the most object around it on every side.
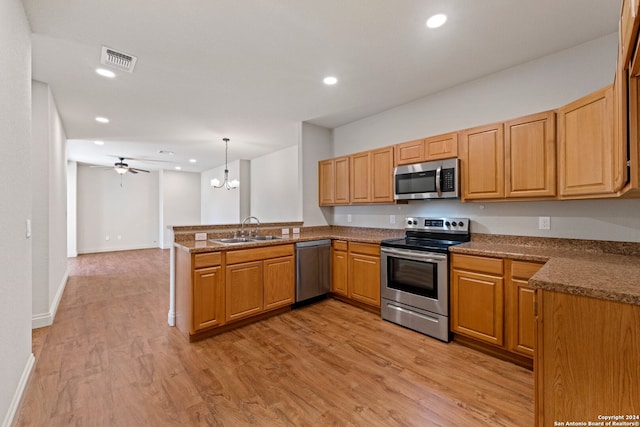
(279, 282)
(483, 162)
(208, 298)
(364, 278)
(244, 290)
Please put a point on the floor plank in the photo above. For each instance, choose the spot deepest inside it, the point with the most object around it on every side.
(110, 359)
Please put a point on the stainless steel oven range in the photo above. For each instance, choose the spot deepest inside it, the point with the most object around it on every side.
(414, 274)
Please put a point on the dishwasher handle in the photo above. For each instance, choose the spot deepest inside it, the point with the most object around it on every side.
(313, 243)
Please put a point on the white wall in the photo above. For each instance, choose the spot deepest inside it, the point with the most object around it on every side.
(15, 209)
(49, 184)
(179, 202)
(113, 205)
(72, 209)
(543, 84)
(221, 206)
(539, 85)
(316, 143)
(275, 186)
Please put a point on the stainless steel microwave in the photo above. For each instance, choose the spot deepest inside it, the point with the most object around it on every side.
(429, 180)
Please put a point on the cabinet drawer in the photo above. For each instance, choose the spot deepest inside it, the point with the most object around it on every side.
(339, 245)
(364, 248)
(258, 254)
(476, 263)
(208, 259)
(524, 270)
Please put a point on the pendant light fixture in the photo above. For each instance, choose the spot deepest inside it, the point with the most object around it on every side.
(229, 185)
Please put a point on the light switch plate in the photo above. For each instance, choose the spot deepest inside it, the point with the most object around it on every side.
(201, 236)
(285, 231)
(296, 230)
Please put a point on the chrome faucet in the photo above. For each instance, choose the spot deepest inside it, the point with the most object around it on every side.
(247, 219)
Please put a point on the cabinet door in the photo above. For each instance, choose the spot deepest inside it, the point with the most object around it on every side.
(339, 272)
(410, 152)
(477, 306)
(341, 181)
(520, 317)
(483, 162)
(208, 298)
(441, 147)
(364, 278)
(326, 182)
(359, 174)
(279, 282)
(243, 290)
(382, 175)
(585, 145)
(530, 150)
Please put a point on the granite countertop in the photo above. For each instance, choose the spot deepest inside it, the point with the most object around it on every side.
(351, 234)
(580, 269)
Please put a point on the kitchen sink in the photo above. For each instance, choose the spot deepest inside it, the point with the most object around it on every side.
(266, 238)
(233, 240)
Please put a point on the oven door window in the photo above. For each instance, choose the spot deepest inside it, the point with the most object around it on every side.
(414, 277)
(416, 182)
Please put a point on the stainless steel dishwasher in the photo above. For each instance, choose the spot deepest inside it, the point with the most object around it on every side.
(313, 269)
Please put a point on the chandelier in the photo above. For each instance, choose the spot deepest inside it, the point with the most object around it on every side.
(229, 185)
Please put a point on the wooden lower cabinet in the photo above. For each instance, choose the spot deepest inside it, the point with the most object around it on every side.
(355, 272)
(244, 290)
(279, 279)
(339, 267)
(477, 289)
(200, 299)
(364, 273)
(520, 299)
(491, 302)
(588, 359)
(208, 298)
(259, 280)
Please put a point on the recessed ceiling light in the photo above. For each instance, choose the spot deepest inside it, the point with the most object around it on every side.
(178, 168)
(192, 160)
(98, 142)
(436, 20)
(105, 73)
(330, 80)
(102, 120)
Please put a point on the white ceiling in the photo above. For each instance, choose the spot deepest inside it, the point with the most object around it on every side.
(252, 70)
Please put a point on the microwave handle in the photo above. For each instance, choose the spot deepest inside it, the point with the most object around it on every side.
(438, 187)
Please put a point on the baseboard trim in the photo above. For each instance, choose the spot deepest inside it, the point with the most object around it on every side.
(19, 394)
(46, 319)
(116, 249)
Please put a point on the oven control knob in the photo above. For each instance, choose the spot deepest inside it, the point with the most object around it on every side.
(461, 224)
(448, 223)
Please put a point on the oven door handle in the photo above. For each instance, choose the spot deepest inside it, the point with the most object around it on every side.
(415, 255)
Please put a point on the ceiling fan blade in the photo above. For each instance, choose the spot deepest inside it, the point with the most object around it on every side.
(136, 170)
(132, 171)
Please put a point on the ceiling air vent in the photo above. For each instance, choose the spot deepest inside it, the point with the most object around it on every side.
(116, 59)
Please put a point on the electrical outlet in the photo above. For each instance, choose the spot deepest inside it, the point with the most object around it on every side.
(392, 219)
(544, 223)
(285, 231)
(348, 217)
(296, 230)
(201, 236)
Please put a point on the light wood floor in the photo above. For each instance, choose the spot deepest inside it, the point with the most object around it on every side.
(110, 359)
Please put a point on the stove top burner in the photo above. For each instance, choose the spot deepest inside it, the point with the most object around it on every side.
(432, 234)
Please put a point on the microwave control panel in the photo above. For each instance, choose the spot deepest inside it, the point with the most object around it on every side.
(448, 180)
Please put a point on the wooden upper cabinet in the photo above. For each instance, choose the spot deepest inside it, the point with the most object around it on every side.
(333, 181)
(410, 152)
(423, 150)
(359, 177)
(628, 28)
(530, 153)
(371, 176)
(586, 146)
(382, 175)
(482, 162)
(441, 146)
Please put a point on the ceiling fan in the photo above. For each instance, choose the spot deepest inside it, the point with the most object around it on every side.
(121, 167)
